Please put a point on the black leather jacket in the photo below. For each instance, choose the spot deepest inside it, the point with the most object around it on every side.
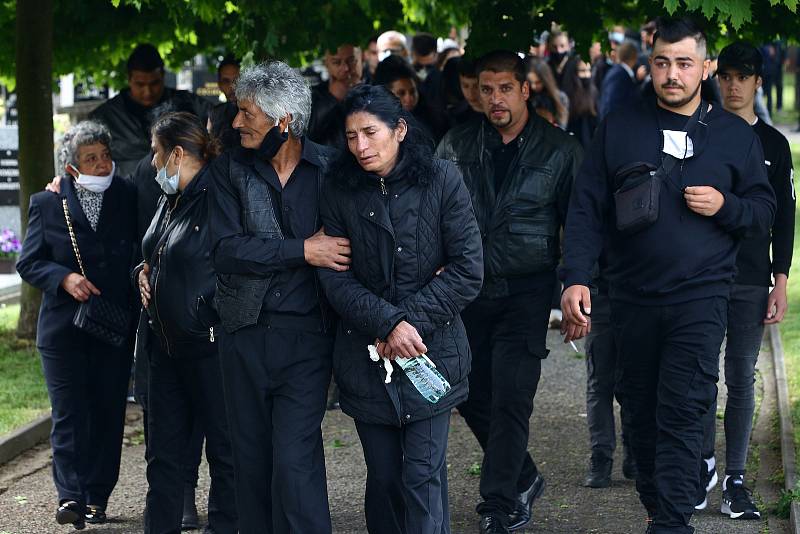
(236, 185)
(130, 123)
(176, 246)
(520, 223)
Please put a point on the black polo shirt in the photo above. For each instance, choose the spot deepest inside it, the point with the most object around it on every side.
(296, 204)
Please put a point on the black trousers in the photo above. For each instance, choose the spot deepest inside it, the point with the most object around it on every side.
(276, 384)
(406, 476)
(507, 337)
(602, 378)
(181, 392)
(669, 356)
(87, 383)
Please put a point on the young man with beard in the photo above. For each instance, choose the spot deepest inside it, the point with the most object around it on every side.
(519, 170)
(669, 270)
(752, 304)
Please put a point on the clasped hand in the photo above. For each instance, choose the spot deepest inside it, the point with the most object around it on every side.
(403, 342)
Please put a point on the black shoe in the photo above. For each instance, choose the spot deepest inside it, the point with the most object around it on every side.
(629, 469)
(650, 527)
(189, 521)
(95, 515)
(524, 510)
(70, 512)
(737, 500)
(491, 525)
(599, 473)
(708, 479)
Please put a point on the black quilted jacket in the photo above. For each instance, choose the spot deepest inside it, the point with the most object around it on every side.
(400, 236)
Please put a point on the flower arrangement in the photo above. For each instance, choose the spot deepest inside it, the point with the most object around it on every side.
(10, 245)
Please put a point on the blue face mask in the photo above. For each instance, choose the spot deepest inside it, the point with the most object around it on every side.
(169, 184)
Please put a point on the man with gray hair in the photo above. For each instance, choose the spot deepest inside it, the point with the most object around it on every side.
(266, 240)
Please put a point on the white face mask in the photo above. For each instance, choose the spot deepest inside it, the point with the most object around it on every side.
(169, 184)
(95, 184)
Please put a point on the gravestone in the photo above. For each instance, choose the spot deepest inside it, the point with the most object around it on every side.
(9, 179)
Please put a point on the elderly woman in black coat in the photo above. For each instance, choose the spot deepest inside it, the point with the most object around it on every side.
(86, 375)
(417, 262)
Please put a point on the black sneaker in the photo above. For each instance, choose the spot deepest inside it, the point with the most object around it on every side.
(599, 475)
(708, 479)
(737, 500)
(95, 515)
(71, 512)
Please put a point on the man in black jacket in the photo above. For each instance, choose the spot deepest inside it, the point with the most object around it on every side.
(326, 125)
(669, 281)
(519, 170)
(266, 239)
(129, 114)
(752, 305)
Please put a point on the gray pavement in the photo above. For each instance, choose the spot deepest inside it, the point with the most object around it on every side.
(558, 442)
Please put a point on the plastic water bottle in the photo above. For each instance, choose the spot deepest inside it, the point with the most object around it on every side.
(423, 374)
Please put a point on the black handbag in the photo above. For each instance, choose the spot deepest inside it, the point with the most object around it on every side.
(99, 317)
(637, 197)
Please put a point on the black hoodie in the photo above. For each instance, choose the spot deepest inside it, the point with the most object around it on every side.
(683, 256)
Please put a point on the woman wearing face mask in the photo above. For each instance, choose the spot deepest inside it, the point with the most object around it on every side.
(86, 377)
(582, 95)
(176, 282)
(417, 261)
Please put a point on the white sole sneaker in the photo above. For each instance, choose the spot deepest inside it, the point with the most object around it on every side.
(726, 509)
(709, 487)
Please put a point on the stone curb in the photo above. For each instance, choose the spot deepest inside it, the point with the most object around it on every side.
(787, 430)
(20, 440)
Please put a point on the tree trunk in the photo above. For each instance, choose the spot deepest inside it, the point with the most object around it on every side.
(34, 65)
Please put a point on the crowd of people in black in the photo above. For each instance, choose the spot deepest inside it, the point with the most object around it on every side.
(419, 207)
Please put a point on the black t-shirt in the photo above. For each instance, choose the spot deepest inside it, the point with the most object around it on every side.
(502, 156)
(753, 262)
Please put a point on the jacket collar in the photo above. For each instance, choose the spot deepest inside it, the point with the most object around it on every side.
(112, 198)
(311, 152)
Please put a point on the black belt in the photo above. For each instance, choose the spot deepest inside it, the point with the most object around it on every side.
(305, 323)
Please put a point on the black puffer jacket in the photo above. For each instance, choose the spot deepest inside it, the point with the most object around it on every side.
(182, 277)
(399, 238)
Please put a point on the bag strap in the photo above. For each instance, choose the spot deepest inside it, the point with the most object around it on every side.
(668, 161)
(72, 238)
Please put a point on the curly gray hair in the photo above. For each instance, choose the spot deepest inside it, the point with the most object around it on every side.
(83, 133)
(279, 91)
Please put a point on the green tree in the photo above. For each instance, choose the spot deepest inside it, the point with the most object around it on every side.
(93, 38)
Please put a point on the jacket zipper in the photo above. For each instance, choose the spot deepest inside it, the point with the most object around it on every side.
(158, 274)
(383, 187)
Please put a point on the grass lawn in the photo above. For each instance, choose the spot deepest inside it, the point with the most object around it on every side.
(23, 396)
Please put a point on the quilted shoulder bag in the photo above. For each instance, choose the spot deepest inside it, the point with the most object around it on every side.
(99, 317)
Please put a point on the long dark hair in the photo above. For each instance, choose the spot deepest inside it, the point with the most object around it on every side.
(415, 157)
(185, 130)
(582, 99)
(545, 75)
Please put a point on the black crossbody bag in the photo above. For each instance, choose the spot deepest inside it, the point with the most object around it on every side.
(637, 198)
(99, 317)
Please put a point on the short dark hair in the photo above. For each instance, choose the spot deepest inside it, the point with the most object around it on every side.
(502, 61)
(145, 58)
(466, 68)
(393, 68)
(672, 30)
(423, 44)
(228, 60)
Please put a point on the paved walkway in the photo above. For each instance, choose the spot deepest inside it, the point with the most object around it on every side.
(558, 442)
